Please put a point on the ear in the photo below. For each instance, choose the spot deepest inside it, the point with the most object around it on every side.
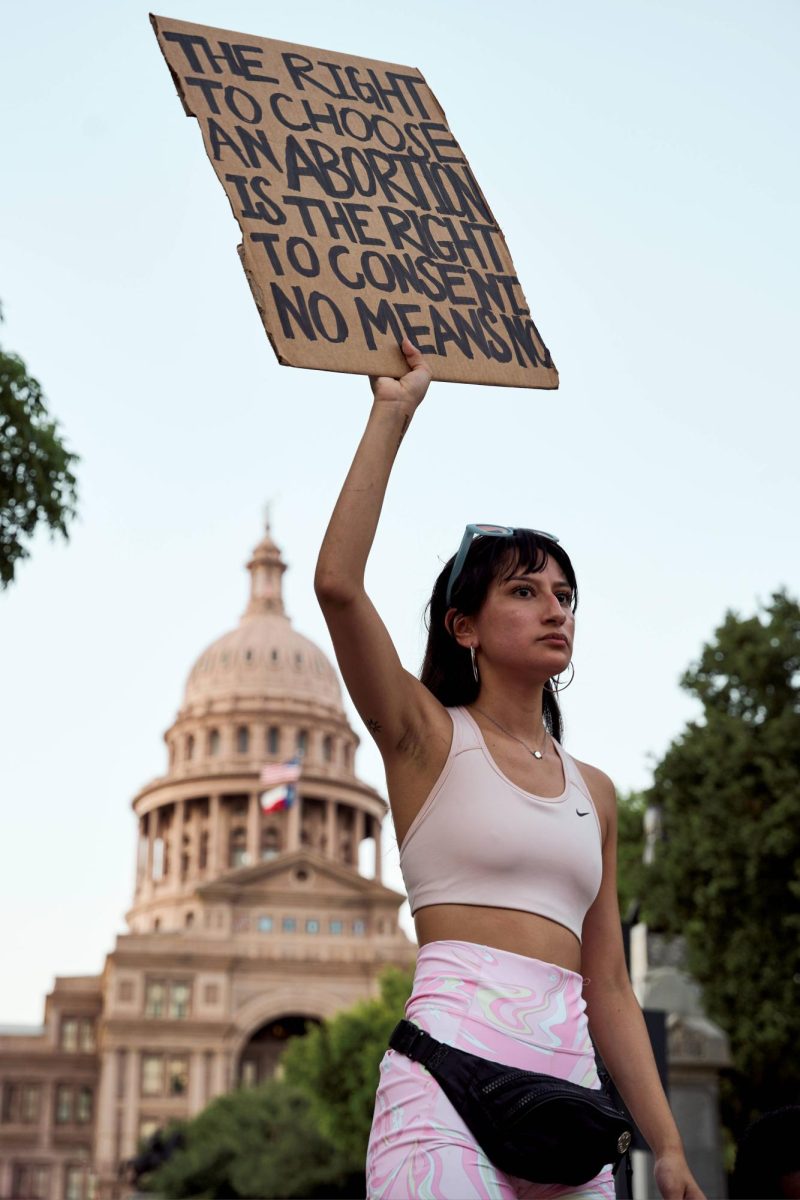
(461, 627)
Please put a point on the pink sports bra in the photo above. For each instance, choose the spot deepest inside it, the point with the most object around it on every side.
(480, 839)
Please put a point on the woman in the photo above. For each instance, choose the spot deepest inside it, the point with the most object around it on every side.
(508, 847)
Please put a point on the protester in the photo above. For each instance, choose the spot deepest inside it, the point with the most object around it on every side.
(768, 1158)
(507, 844)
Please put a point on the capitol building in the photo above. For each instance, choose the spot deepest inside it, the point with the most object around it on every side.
(244, 925)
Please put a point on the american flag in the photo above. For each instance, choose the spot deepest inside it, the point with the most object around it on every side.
(279, 779)
(274, 773)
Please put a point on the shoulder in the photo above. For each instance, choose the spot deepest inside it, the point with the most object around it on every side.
(604, 794)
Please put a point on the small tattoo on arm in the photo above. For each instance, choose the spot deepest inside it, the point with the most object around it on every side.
(374, 726)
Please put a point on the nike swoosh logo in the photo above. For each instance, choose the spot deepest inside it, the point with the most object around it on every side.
(580, 814)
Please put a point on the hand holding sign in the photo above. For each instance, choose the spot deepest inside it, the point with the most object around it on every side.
(362, 222)
(409, 389)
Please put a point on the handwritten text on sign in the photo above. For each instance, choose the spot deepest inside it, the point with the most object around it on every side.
(361, 219)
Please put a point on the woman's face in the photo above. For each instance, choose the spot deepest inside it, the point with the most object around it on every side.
(527, 623)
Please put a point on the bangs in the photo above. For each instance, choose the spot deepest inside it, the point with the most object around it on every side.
(524, 554)
(498, 559)
(527, 553)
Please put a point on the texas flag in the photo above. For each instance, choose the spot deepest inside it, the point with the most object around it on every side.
(280, 780)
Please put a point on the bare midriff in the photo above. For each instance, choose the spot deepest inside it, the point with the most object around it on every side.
(503, 928)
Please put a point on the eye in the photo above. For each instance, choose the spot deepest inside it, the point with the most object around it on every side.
(522, 589)
(565, 598)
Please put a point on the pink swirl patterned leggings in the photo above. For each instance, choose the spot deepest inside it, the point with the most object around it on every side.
(506, 1007)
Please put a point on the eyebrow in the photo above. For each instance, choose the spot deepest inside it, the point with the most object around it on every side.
(532, 575)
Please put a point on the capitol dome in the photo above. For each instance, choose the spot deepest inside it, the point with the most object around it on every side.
(264, 658)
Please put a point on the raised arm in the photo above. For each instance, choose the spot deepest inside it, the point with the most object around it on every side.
(393, 704)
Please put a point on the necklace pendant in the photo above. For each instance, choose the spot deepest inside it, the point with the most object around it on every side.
(536, 753)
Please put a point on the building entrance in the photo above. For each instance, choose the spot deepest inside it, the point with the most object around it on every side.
(259, 1058)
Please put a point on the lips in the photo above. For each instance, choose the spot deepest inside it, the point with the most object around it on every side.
(556, 639)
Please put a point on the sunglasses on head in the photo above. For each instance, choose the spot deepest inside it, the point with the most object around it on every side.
(473, 531)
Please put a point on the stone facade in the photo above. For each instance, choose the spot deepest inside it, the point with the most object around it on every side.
(244, 924)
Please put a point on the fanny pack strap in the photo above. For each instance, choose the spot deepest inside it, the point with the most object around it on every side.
(418, 1045)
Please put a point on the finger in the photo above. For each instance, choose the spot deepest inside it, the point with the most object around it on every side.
(414, 357)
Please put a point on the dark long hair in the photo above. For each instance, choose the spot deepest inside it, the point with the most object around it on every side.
(447, 667)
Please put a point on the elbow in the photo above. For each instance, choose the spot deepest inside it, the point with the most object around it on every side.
(333, 590)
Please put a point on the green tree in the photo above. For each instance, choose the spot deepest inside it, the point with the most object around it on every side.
(260, 1142)
(630, 851)
(36, 470)
(336, 1065)
(726, 874)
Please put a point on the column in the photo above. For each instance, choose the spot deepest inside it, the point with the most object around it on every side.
(106, 1108)
(253, 829)
(293, 818)
(177, 842)
(376, 826)
(218, 1074)
(48, 1097)
(138, 872)
(196, 1083)
(151, 828)
(330, 829)
(214, 834)
(359, 831)
(130, 1117)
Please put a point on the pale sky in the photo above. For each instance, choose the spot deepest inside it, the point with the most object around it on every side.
(641, 158)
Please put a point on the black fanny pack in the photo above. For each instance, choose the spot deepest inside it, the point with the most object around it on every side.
(530, 1125)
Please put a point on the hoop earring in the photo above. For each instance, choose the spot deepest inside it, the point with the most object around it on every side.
(560, 687)
(474, 664)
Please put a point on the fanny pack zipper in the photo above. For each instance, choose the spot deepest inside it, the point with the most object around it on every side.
(549, 1093)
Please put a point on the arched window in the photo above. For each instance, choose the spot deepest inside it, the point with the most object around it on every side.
(348, 756)
(237, 855)
(327, 748)
(213, 741)
(302, 741)
(190, 746)
(202, 854)
(273, 739)
(242, 739)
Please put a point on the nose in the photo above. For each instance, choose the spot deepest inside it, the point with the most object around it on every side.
(556, 611)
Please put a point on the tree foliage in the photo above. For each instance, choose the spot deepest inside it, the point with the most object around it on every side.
(726, 874)
(37, 483)
(630, 851)
(336, 1065)
(259, 1142)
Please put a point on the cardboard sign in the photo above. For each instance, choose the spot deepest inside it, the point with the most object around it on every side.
(361, 219)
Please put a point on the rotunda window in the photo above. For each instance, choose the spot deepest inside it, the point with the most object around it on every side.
(213, 741)
(302, 741)
(273, 739)
(190, 746)
(327, 748)
(242, 739)
(237, 856)
(274, 656)
(270, 842)
(189, 922)
(348, 756)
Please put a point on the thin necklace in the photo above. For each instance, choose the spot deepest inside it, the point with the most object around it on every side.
(534, 753)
